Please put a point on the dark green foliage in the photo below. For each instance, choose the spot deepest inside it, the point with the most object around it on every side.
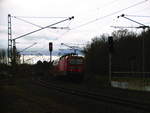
(127, 55)
(96, 56)
(43, 68)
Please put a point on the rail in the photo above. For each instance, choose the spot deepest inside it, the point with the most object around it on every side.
(135, 104)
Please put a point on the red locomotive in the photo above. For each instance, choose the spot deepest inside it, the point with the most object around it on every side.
(69, 65)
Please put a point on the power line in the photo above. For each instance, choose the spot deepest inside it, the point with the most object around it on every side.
(37, 17)
(28, 47)
(123, 15)
(138, 16)
(43, 28)
(39, 25)
(126, 27)
(142, 25)
(27, 22)
(97, 19)
(141, 10)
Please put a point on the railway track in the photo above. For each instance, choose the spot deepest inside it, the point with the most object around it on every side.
(134, 104)
(4, 81)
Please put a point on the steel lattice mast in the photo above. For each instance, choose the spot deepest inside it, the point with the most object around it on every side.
(9, 50)
(12, 42)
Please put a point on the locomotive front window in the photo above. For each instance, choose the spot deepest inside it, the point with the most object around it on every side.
(76, 61)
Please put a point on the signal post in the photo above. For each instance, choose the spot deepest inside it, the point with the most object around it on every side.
(111, 50)
(50, 50)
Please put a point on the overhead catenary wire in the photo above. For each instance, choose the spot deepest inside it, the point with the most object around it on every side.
(111, 14)
(19, 18)
(37, 17)
(126, 27)
(27, 22)
(39, 25)
(43, 28)
(45, 44)
(137, 27)
(131, 20)
(138, 16)
(141, 25)
(141, 10)
(28, 47)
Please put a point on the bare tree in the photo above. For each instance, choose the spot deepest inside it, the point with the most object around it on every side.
(3, 56)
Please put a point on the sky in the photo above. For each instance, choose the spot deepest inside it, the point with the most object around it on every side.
(91, 18)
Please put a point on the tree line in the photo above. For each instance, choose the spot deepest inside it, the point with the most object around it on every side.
(127, 53)
(3, 56)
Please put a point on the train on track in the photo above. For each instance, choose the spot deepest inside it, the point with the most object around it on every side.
(70, 66)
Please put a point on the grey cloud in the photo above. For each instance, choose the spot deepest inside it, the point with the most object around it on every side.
(3, 44)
